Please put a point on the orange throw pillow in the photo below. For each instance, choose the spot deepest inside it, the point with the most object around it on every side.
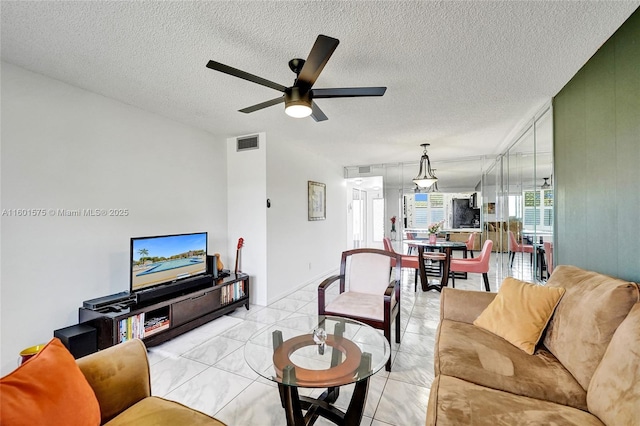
(48, 389)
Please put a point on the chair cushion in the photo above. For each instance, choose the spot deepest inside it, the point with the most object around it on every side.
(520, 312)
(614, 391)
(158, 411)
(589, 313)
(476, 355)
(48, 388)
(468, 265)
(368, 273)
(454, 402)
(360, 305)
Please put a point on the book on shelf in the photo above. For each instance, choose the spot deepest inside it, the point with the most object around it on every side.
(139, 327)
(155, 328)
(131, 328)
(155, 324)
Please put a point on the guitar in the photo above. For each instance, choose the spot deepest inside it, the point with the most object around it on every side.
(240, 244)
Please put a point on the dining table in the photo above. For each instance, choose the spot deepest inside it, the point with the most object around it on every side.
(444, 247)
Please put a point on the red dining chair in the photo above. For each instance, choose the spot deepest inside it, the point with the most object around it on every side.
(515, 247)
(412, 262)
(412, 248)
(479, 265)
(406, 260)
(470, 243)
(548, 257)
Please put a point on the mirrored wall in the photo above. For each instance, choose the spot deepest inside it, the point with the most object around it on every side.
(518, 198)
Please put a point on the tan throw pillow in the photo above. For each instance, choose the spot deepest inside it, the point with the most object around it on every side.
(520, 312)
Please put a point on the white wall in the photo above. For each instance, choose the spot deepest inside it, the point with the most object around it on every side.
(247, 216)
(63, 147)
(301, 251)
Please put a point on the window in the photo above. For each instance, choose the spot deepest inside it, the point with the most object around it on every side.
(538, 215)
(428, 209)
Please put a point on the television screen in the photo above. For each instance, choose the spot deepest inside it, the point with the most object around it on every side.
(166, 259)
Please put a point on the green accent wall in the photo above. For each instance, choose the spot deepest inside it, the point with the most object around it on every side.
(597, 160)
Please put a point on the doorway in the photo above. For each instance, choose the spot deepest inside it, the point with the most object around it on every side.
(365, 213)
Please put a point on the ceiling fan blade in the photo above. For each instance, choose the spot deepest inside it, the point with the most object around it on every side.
(217, 66)
(348, 92)
(263, 105)
(316, 113)
(320, 53)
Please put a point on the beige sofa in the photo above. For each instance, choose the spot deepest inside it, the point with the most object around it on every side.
(119, 377)
(584, 371)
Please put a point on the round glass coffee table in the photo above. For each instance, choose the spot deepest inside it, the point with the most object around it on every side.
(318, 352)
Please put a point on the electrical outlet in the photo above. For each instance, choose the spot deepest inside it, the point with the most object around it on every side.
(309, 265)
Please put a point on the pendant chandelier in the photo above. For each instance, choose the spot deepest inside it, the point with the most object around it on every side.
(425, 177)
(433, 188)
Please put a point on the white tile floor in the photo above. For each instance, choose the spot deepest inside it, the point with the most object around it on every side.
(205, 368)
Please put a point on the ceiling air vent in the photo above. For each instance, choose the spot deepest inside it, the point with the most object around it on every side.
(247, 142)
(366, 169)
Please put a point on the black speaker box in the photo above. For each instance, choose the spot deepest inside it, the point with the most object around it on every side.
(212, 266)
(80, 339)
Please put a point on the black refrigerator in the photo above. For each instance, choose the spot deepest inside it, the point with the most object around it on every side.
(463, 215)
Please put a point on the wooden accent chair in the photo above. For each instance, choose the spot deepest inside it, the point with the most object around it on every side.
(479, 265)
(370, 297)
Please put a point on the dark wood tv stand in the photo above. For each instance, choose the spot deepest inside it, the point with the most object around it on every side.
(167, 317)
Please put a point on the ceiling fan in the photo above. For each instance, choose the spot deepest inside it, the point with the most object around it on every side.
(299, 98)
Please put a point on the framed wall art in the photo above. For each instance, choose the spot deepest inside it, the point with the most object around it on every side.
(317, 200)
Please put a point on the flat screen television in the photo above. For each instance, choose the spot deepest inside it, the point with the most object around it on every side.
(166, 259)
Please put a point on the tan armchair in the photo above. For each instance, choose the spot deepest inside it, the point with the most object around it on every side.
(370, 297)
(119, 377)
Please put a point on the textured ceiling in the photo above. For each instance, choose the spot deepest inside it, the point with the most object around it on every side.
(460, 75)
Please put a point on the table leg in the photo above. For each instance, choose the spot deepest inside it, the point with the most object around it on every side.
(446, 268)
(423, 272)
(292, 407)
(353, 416)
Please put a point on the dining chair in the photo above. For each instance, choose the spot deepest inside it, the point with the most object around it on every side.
(515, 247)
(478, 265)
(406, 260)
(412, 261)
(548, 257)
(366, 293)
(411, 248)
(470, 243)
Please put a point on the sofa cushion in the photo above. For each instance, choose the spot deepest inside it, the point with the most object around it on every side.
(590, 311)
(158, 411)
(48, 388)
(456, 402)
(476, 355)
(614, 391)
(123, 366)
(520, 312)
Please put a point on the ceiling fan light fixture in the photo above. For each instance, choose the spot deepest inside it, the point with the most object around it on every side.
(425, 177)
(297, 103)
(546, 184)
